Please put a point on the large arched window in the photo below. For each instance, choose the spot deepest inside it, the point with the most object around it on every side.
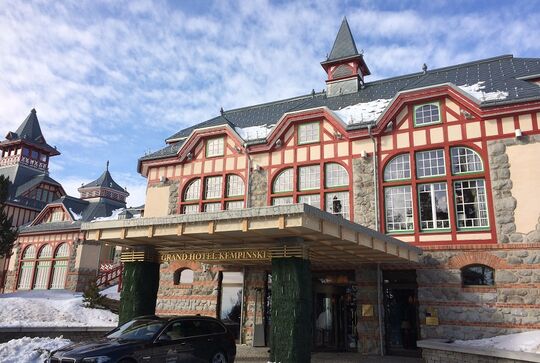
(325, 186)
(447, 198)
(26, 268)
(477, 275)
(60, 264)
(183, 276)
(209, 194)
(43, 268)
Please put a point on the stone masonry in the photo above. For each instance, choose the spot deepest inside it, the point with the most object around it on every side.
(364, 192)
(258, 187)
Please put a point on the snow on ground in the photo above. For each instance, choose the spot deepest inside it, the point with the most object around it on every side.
(254, 132)
(111, 292)
(51, 308)
(29, 350)
(362, 112)
(521, 342)
(476, 90)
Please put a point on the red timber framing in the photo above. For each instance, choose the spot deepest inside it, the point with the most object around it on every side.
(463, 123)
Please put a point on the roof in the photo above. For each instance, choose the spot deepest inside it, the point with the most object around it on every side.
(104, 181)
(503, 73)
(344, 45)
(30, 131)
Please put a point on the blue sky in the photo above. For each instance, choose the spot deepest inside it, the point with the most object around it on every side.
(112, 80)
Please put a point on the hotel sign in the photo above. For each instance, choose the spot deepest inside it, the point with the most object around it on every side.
(217, 255)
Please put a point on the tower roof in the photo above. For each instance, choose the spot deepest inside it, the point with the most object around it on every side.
(344, 45)
(105, 181)
(30, 132)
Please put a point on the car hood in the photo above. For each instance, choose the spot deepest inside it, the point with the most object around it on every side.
(101, 346)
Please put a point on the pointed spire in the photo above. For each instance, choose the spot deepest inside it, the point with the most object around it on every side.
(107, 167)
(344, 45)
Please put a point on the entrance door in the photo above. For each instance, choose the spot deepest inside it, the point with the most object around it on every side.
(401, 312)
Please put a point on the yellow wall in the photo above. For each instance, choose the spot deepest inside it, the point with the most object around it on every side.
(157, 202)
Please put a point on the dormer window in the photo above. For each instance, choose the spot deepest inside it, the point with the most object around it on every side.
(26, 151)
(308, 133)
(35, 155)
(214, 147)
(427, 114)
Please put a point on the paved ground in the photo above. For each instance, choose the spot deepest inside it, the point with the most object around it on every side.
(257, 355)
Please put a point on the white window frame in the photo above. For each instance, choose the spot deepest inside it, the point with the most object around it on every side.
(434, 223)
(430, 163)
(309, 133)
(311, 199)
(215, 147)
(406, 192)
(190, 209)
(335, 175)
(309, 177)
(480, 203)
(282, 201)
(398, 168)
(342, 197)
(235, 204)
(235, 186)
(471, 166)
(193, 190)
(213, 187)
(424, 116)
(212, 207)
(284, 181)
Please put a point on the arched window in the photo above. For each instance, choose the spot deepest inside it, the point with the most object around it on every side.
(427, 114)
(398, 168)
(60, 265)
(26, 268)
(216, 196)
(477, 275)
(465, 160)
(43, 268)
(324, 186)
(183, 276)
(193, 190)
(235, 186)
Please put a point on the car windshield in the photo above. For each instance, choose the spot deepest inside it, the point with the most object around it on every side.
(137, 330)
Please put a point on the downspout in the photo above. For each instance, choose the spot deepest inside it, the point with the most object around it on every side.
(379, 303)
(375, 178)
(248, 176)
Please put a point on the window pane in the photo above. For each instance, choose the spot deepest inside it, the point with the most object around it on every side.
(45, 252)
(193, 191)
(214, 147)
(398, 168)
(235, 186)
(30, 252)
(213, 187)
(284, 181)
(465, 160)
(282, 201)
(335, 175)
(311, 199)
(309, 177)
(231, 301)
(398, 208)
(338, 203)
(308, 133)
(430, 163)
(477, 275)
(471, 204)
(433, 206)
(62, 251)
(212, 207)
(190, 209)
(426, 114)
(234, 205)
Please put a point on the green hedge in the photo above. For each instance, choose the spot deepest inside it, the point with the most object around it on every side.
(140, 282)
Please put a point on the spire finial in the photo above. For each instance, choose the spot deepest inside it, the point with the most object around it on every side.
(221, 111)
(33, 110)
(424, 68)
(107, 168)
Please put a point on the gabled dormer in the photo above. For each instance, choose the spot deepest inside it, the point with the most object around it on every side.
(27, 146)
(104, 187)
(345, 66)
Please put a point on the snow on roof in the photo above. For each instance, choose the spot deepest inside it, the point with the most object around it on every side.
(254, 132)
(521, 342)
(476, 90)
(75, 215)
(363, 112)
(112, 217)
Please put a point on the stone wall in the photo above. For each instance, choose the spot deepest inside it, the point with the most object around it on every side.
(79, 278)
(367, 326)
(258, 188)
(442, 352)
(11, 275)
(254, 296)
(364, 192)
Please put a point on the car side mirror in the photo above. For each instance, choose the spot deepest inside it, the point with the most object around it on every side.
(164, 338)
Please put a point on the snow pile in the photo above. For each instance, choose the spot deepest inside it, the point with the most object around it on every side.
(254, 132)
(112, 217)
(476, 90)
(111, 292)
(76, 216)
(363, 112)
(29, 350)
(521, 342)
(51, 308)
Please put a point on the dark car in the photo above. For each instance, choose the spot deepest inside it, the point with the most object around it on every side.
(193, 339)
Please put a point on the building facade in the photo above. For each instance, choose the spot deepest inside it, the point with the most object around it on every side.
(444, 160)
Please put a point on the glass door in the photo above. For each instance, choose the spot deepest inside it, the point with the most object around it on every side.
(230, 311)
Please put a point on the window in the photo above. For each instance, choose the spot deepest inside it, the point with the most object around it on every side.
(427, 114)
(477, 275)
(41, 278)
(465, 160)
(234, 205)
(191, 208)
(335, 175)
(212, 207)
(25, 152)
(57, 215)
(43, 158)
(399, 208)
(282, 201)
(214, 147)
(193, 191)
(34, 154)
(308, 133)
(471, 205)
(235, 186)
(213, 187)
(430, 163)
(309, 177)
(433, 205)
(338, 203)
(398, 168)
(183, 276)
(26, 268)
(58, 280)
(311, 199)
(230, 311)
(284, 181)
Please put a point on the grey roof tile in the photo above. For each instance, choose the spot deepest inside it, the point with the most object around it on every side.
(344, 45)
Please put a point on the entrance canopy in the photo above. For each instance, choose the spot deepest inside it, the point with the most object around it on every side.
(255, 236)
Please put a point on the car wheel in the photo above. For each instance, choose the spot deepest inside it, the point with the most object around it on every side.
(218, 357)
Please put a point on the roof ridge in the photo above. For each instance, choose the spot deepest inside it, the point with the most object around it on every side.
(309, 95)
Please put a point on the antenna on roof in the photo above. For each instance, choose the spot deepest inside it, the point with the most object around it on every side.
(107, 168)
(313, 92)
(424, 68)
(221, 111)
